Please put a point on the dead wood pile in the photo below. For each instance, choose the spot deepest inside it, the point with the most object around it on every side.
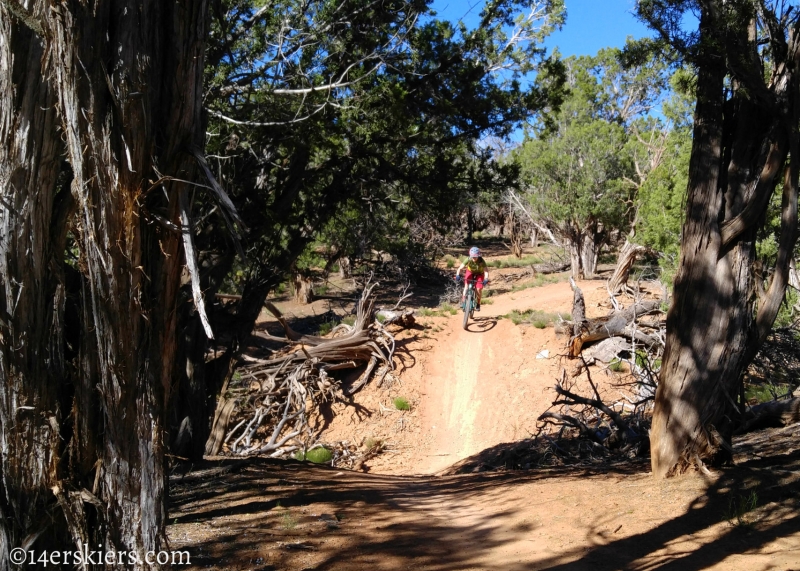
(266, 409)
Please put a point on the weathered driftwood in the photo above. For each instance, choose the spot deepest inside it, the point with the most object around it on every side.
(270, 409)
(404, 318)
(618, 281)
(619, 323)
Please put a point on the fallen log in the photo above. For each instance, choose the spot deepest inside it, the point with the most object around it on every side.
(771, 414)
(618, 324)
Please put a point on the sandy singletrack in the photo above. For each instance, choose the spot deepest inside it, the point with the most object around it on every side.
(472, 390)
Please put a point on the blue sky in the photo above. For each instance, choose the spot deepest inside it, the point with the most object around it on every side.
(591, 24)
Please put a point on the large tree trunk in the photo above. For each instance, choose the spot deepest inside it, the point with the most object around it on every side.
(126, 80)
(711, 332)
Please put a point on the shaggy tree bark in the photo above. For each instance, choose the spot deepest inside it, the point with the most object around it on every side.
(126, 80)
(33, 213)
(740, 147)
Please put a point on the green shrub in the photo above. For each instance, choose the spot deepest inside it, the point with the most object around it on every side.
(319, 455)
(326, 327)
(616, 365)
(401, 404)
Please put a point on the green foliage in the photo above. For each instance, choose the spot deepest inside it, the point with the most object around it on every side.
(289, 520)
(326, 327)
(616, 365)
(757, 393)
(660, 203)
(318, 455)
(514, 262)
(578, 170)
(360, 130)
(401, 403)
(445, 310)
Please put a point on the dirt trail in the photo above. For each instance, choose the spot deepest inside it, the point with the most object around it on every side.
(485, 386)
(472, 390)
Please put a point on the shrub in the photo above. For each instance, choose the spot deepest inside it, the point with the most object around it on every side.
(319, 455)
(616, 365)
(326, 327)
(401, 404)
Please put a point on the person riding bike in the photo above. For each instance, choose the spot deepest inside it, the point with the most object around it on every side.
(476, 269)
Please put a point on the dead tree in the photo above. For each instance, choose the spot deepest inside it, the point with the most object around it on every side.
(618, 281)
(619, 323)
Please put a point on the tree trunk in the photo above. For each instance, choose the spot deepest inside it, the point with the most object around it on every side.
(711, 332)
(345, 270)
(590, 251)
(127, 85)
(303, 293)
(576, 263)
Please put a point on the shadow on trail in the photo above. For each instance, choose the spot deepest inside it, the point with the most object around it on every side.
(481, 324)
(277, 515)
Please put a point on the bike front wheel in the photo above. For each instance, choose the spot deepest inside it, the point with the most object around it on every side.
(467, 308)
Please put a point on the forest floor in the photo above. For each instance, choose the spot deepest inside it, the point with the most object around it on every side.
(471, 392)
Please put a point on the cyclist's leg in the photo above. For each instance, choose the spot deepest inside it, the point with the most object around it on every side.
(478, 292)
(467, 277)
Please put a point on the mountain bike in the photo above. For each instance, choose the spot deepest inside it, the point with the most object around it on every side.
(469, 299)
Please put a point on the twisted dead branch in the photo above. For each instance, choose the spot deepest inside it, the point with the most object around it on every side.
(274, 397)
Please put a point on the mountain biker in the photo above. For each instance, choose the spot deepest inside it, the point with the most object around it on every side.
(476, 268)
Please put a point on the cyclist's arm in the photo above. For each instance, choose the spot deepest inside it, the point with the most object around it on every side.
(461, 267)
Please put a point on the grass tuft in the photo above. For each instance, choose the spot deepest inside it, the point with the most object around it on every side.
(401, 403)
(738, 509)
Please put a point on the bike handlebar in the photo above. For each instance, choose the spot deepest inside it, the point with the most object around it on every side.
(458, 278)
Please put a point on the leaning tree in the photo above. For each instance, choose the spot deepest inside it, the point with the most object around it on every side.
(101, 139)
(745, 143)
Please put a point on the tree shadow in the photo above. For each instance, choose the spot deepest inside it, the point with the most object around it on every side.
(269, 514)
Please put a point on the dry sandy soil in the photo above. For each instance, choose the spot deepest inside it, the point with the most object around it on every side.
(470, 392)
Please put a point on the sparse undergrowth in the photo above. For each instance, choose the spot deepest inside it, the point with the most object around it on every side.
(444, 310)
(537, 318)
(740, 508)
